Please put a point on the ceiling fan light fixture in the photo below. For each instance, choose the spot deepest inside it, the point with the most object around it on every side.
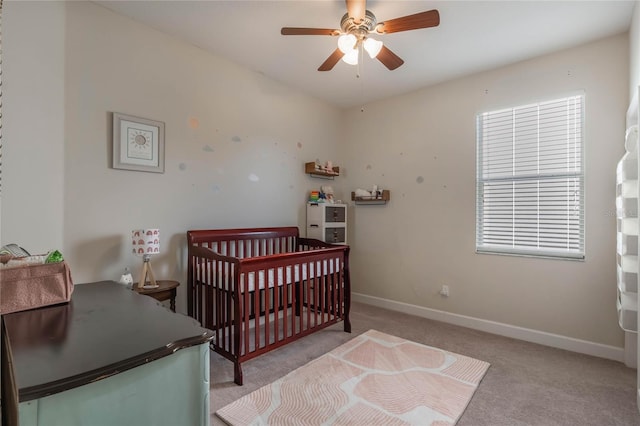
(372, 46)
(355, 27)
(351, 57)
(347, 43)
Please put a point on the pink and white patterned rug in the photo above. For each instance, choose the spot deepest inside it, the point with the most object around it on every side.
(373, 379)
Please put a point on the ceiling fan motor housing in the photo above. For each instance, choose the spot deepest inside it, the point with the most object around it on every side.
(360, 30)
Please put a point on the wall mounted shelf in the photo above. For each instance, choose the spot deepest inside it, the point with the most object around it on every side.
(382, 199)
(311, 170)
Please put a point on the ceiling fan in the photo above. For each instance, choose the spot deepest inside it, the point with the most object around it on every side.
(356, 26)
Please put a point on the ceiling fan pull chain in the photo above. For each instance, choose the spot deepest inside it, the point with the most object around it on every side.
(361, 80)
(361, 95)
(360, 54)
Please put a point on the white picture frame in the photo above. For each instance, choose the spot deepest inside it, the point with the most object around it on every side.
(138, 144)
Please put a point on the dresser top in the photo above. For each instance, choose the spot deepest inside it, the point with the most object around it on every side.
(105, 329)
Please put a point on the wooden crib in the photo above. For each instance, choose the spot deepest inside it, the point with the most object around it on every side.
(261, 288)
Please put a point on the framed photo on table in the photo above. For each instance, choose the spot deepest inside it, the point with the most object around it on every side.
(138, 144)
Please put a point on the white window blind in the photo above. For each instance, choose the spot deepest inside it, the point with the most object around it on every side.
(530, 180)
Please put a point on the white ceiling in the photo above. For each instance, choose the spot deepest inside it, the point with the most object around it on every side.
(473, 36)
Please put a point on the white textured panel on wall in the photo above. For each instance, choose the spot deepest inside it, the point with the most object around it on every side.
(629, 226)
(627, 246)
(627, 206)
(627, 281)
(627, 240)
(627, 310)
(629, 263)
(630, 188)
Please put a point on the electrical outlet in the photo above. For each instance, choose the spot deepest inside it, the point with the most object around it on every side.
(444, 291)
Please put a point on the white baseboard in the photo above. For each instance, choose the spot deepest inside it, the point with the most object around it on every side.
(512, 331)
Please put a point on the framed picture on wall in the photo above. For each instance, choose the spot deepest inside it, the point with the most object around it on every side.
(138, 144)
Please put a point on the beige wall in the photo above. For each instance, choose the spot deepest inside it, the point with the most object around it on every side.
(33, 124)
(241, 167)
(421, 146)
(95, 62)
(634, 51)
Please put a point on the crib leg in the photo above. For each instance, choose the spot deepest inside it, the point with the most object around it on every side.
(347, 311)
(347, 325)
(237, 373)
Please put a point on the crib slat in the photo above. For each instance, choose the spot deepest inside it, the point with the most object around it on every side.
(222, 321)
(285, 317)
(339, 292)
(208, 290)
(317, 297)
(300, 304)
(244, 327)
(334, 290)
(332, 293)
(231, 309)
(200, 316)
(256, 312)
(339, 289)
(322, 288)
(326, 308)
(225, 308)
(266, 311)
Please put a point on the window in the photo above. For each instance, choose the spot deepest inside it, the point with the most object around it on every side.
(530, 180)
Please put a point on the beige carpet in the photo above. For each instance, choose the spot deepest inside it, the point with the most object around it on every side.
(527, 384)
(374, 378)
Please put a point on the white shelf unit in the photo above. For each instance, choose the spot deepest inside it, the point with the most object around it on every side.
(327, 222)
(627, 242)
(626, 279)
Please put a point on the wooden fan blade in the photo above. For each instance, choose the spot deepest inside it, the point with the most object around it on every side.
(426, 19)
(356, 9)
(331, 61)
(309, 31)
(389, 59)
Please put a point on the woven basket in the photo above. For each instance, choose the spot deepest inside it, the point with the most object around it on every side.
(34, 286)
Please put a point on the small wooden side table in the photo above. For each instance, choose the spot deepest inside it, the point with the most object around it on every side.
(166, 290)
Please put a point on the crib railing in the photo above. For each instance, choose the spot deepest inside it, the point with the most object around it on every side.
(289, 289)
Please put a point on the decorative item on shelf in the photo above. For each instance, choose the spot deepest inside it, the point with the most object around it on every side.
(327, 193)
(146, 242)
(126, 279)
(376, 196)
(362, 193)
(314, 196)
(327, 171)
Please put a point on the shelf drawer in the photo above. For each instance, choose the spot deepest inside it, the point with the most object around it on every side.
(335, 235)
(336, 214)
